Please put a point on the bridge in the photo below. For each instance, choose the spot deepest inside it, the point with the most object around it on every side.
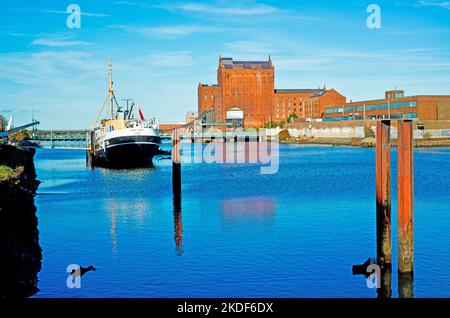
(59, 138)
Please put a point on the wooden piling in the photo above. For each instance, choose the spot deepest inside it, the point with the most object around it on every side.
(176, 163)
(405, 197)
(383, 193)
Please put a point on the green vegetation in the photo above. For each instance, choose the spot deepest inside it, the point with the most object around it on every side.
(3, 123)
(5, 172)
(291, 116)
(20, 135)
(427, 135)
(368, 132)
(284, 135)
(274, 124)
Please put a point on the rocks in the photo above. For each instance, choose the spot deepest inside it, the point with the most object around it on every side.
(20, 253)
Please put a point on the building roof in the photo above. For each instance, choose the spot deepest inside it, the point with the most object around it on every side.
(228, 63)
(300, 90)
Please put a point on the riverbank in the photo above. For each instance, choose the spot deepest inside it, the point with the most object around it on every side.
(365, 142)
(20, 253)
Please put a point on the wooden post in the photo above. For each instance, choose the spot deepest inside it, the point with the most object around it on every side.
(383, 193)
(176, 163)
(405, 197)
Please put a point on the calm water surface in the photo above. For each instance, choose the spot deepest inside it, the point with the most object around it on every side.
(296, 233)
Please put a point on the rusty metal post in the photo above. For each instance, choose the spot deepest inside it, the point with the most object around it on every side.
(176, 162)
(383, 193)
(405, 197)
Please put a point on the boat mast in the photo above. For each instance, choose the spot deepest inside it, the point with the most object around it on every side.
(111, 92)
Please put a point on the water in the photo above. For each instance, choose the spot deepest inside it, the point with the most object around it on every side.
(296, 233)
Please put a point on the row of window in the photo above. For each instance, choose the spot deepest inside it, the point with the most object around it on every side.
(283, 104)
(392, 116)
(283, 98)
(370, 107)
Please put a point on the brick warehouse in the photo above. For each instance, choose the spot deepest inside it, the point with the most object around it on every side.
(394, 105)
(250, 86)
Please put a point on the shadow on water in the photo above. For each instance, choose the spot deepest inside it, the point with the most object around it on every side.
(20, 252)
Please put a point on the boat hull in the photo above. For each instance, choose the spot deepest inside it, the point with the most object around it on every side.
(127, 155)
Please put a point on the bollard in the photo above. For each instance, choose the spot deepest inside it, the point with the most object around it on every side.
(383, 193)
(176, 163)
(405, 197)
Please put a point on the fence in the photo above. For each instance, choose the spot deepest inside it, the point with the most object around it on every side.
(353, 132)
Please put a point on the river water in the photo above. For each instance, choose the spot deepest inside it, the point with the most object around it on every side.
(239, 233)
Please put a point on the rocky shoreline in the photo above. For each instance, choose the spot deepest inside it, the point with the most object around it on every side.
(20, 252)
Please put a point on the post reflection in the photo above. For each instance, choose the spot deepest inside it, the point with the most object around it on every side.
(385, 290)
(406, 285)
(178, 226)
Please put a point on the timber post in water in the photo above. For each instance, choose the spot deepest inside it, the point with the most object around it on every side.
(405, 197)
(383, 193)
(176, 163)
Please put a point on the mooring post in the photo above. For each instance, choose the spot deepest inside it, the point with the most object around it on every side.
(405, 197)
(383, 193)
(176, 163)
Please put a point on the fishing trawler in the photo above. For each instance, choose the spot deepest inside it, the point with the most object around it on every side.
(121, 140)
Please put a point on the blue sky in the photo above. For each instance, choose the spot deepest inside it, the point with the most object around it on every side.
(161, 50)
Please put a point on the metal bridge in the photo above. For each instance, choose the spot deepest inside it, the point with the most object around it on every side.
(60, 138)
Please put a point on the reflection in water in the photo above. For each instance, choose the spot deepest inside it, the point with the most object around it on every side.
(254, 209)
(405, 280)
(406, 285)
(136, 209)
(385, 290)
(20, 252)
(178, 226)
(112, 209)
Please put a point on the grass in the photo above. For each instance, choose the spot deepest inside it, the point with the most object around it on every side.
(5, 172)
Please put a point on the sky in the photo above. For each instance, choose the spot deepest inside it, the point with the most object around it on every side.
(161, 50)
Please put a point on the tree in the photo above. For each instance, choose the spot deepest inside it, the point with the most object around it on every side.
(3, 123)
(291, 116)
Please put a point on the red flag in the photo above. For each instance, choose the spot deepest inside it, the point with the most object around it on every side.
(140, 114)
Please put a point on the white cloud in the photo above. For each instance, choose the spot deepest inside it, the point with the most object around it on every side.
(169, 32)
(427, 3)
(82, 13)
(229, 9)
(57, 43)
(170, 59)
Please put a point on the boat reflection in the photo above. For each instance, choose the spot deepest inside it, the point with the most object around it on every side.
(134, 211)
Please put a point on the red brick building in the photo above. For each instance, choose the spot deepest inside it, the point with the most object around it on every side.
(250, 86)
(394, 105)
(314, 106)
